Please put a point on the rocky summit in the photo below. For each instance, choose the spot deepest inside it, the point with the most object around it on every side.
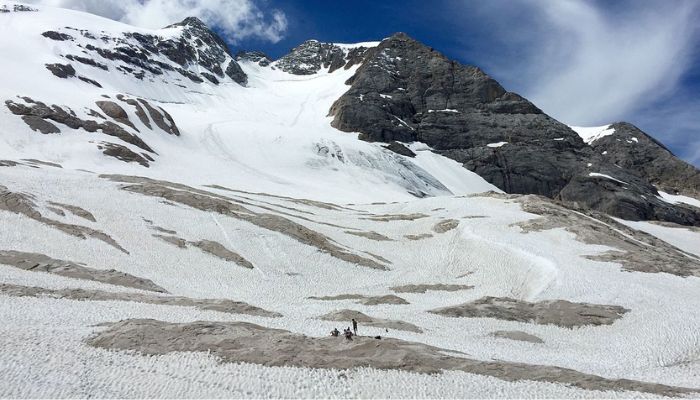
(406, 91)
(181, 218)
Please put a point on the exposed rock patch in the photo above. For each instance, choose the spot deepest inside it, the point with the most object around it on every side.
(445, 226)
(400, 149)
(123, 153)
(37, 124)
(41, 263)
(370, 235)
(20, 203)
(53, 35)
(637, 250)
(241, 342)
(174, 240)
(116, 112)
(556, 312)
(396, 217)
(366, 300)
(162, 119)
(87, 61)
(221, 305)
(631, 148)
(348, 315)
(208, 246)
(418, 237)
(517, 335)
(58, 114)
(212, 202)
(61, 70)
(434, 287)
(75, 210)
(311, 56)
(33, 161)
(218, 250)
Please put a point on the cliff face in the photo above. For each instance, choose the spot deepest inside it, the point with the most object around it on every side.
(406, 91)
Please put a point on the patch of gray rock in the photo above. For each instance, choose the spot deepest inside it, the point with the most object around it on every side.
(241, 342)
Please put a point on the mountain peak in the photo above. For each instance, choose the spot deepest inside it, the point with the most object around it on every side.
(190, 21)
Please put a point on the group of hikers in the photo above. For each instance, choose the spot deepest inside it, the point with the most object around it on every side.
(346, 332)
(349, 333)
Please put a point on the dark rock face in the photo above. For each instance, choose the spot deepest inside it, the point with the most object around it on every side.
(39, 124)
(115, 111)
(257, 57)
(87, 61)
(160, 118)
(631, 148)
(58, 114)
(61, 70)
(90, 81)
(311, 56)
(53, 35)
(234, 71)
(398, 148)
(405, 91)
(122, 153)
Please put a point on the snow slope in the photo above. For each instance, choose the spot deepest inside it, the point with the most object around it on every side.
(269, 148)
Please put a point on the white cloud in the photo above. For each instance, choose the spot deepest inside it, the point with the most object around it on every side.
(609, 64)
(236, 19)
(590, 63)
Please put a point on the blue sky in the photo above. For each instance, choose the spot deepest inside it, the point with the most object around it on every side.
(584, 62)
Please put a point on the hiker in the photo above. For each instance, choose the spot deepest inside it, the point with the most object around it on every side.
(335, 332)
(354, 326)
(348, 334)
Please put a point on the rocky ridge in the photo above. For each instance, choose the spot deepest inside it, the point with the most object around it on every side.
(406, 91)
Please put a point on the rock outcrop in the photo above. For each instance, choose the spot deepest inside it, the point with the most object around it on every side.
(311, 56)
(631, 148)
(406, 91)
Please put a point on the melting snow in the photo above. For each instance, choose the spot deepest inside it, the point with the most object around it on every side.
(598, 175)
(591, 134)
(498, 144)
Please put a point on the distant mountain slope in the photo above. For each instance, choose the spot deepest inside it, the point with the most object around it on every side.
(406, 91)
(633, 149)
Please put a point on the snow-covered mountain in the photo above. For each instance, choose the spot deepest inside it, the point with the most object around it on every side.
(180, 221)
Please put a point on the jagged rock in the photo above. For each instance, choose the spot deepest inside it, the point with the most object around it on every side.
(140, 113)
(405, 91)
(160, 118)
(234, 71)
(399, 148)
(90, 81)
(115, 111)
(61, 70)
(122, 153)
(87, 61)
(631, 148)
(53, 35)
(58, 114)
(257, 57)
(312, 55)
(39, 124)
